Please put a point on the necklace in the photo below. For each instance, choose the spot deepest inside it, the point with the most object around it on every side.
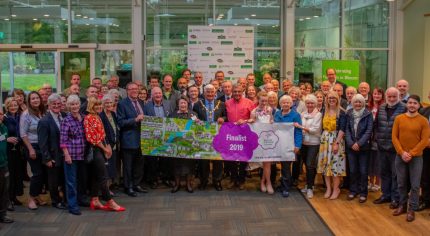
(210, 112)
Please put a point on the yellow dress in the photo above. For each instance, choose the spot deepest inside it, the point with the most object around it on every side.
(330, 164)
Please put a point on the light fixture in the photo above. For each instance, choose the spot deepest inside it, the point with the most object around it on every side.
(64, 19)
(46, 15)
(253, 15)
(13, 15)
(246, 18)
(87, 24)
(316, 16)
(301, 19)
(307, 18)
(78, 15)
(85, 17)
(91, 18)
(258, 24)
(235, 23)
(6, 19)
(34, 19)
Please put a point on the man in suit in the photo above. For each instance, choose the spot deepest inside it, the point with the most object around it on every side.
(339, 90)
(182, 86)
(267, 78)
(227, 89)
(331, 77)
(217, 86)
(403, 87)
(48, 132)
(92, 91)
(425, 175)
(211, 110)
(169, 93)
(114, 84)
(198, 82)
(158, 107)
(130, 115)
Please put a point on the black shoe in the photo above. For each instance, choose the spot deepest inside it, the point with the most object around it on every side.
(394, 205)
(75, 212)
(218, 186)
(130, 192)
(175, 189)
(16, 202)
(423, 205)
(190, 189)
(59, 205)
(381, 200)
(154, 185)
(6, 220)
(140, 189)
(11, 206)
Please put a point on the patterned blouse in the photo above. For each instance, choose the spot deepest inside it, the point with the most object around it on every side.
(329, 123)
(94, 130)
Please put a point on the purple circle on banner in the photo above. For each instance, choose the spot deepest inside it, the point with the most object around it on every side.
(235, 142)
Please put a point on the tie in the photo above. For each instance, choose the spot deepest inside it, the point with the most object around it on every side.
(136, 107)
(59, 121)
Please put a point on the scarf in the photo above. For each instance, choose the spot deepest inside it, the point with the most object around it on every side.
(307, 115)
(357, 116)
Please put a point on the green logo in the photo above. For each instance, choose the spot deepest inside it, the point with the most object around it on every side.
(237, 49)
(238, 54)
(192, 42)
(217, 30)
(246, 66)
(248, 61)
(221, 37)
(212, 66)
(205, 54)
(249, 31)
(226, 42)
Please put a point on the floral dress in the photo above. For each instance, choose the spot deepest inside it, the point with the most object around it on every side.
(330, 164)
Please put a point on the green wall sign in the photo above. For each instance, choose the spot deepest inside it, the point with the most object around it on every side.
(347, 72)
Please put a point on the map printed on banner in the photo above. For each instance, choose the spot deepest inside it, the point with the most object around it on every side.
(172, 137)
(226, 48)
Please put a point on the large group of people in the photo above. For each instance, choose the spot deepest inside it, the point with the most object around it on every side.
(80, 147)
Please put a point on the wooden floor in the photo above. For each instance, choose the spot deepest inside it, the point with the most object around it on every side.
(353, 218)
(159, 212)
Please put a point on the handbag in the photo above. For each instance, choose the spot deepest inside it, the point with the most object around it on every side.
(88, 153)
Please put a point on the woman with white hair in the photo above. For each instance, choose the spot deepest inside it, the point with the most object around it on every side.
(110, 124)
(359, 125)
(116, 97)
(72, 142)
(311, 127)
(296, 95)
(272, 99)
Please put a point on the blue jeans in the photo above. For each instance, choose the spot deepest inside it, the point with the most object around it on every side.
(70, 174)
(358, 168)
(409, 173)
(388, 175)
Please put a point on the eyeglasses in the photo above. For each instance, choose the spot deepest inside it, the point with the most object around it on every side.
(332, 98)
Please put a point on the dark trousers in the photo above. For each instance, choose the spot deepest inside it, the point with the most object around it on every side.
(4, 190)
(425, 177)
(297, 167)
(286, 175)
(358, 169)
(16, 175)
(237, 171)
(37, 170)
(133, 164)
(55, 180)
(309, 155)
(388, 175)
(409, 173)
(99, 176)
(204, 170)
(71, 182)
(83, 181)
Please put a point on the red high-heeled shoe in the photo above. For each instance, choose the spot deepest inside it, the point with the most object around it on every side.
(109, 207)
(93, 206)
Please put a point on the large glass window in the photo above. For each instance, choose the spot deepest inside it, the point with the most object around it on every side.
(109, 62)
(168, 20)
(105, 22)
(32, 21)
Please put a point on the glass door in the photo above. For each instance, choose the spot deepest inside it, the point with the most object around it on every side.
(80, 62)
(27, 70)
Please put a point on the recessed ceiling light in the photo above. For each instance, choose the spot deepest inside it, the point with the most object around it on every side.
(13, 15)
(258, 24)
(46, 15)
(87, 24)
(91, 18)
(34, 18)
(301, 19)
(254, 15)
(235, 23)
(78, 15)
(6, 19)
(85, 17)
(246, 18)
(221, 14)
(308, 18)
(316, 16)
(64, 19)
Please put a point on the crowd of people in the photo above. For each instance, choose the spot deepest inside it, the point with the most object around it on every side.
(81, 147)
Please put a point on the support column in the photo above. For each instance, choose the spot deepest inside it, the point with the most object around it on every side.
(137, 39)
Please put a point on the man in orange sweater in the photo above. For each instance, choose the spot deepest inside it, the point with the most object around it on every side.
(410, 136)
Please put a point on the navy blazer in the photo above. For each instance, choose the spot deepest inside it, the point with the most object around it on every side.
(111, 138)
(218, 113)
(48, 135)
(129, 128)
(148, 110)
(364, 130)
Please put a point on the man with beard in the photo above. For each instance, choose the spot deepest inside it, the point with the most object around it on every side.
(410, 136)
(182, 86)
(386, 152)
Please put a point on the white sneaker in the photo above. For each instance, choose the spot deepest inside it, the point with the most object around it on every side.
(310, 193)
(304, 189)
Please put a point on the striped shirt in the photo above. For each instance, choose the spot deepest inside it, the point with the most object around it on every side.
(72, 137)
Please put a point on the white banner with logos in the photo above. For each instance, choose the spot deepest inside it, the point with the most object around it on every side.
(226, 48)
